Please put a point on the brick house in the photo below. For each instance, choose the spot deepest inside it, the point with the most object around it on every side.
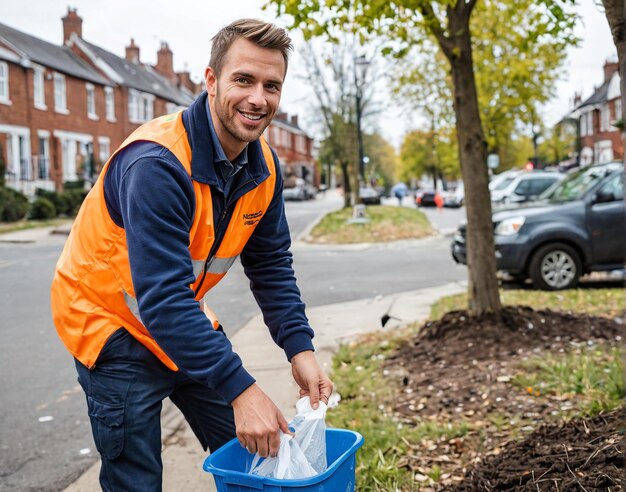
(600, 141)
(64, 109)
(294, 148)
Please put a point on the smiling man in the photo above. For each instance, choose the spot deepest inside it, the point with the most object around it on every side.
(176, 204)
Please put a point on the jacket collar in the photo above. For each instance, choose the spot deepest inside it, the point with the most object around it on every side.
(198, 132)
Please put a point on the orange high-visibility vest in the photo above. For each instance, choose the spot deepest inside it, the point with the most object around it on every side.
(92, 293)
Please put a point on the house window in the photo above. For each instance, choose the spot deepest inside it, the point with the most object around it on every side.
(60, 95)
(275, 136)
(39, 88)
(104, 152)
(4, 83)
(140, 106)
(605, 118)
(618, 109)
(43, 159)
(109, 101)
(285, 140)
(91, 102)
(301, 144)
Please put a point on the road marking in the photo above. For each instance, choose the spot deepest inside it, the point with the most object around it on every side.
(4, 263)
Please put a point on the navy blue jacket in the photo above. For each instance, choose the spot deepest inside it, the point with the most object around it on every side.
(149, 194)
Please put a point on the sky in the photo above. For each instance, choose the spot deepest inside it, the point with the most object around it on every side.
(187, 26)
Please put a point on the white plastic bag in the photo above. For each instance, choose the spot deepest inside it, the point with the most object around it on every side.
(301, 456)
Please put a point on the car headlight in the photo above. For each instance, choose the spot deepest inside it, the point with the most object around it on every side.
(508, 227)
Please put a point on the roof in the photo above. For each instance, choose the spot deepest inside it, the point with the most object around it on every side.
(141, 77)
(598, 97)
(60, 58)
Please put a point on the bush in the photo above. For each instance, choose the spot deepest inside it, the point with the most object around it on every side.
(74, 198)
(13, 205)
(74, 185)
(42, 209)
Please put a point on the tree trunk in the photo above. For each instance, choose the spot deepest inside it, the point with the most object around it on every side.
(481, 262)
(347, 188)
(616, 15)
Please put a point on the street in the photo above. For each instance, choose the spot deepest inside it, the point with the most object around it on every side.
(45, 438)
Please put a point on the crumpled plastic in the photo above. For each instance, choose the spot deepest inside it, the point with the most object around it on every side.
(302, 455)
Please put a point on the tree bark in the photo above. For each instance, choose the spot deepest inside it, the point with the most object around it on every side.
(483, 283)
(616, 16)
(347, 185)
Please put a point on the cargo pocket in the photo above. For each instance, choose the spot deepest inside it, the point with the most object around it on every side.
(107, 423)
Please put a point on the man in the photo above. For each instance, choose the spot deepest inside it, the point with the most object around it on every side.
(175, 205)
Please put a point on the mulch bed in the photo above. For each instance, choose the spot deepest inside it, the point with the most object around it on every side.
(460, 368)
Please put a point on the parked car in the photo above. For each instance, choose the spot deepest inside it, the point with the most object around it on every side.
(455, 198)
(579, 228)
(299, 190)
(369, 196)
(524, 187)
(428, 198)
(501, 180)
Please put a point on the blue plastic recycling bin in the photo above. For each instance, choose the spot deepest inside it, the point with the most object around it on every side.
(230, 463)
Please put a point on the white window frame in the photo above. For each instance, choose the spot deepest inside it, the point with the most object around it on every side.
(18, 166)
(605, 118)
(4, 83)
(140, 106)
(104, 149)
(109, 103)
(91, 102)
(618, 109)
(39, 87)
(300, 144)
(45, 136)
(285, 139)
(60, 94)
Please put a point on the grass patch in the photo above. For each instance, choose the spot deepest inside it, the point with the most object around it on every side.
(385, 224)
(22, 225)
(596, 302)
(593, 375)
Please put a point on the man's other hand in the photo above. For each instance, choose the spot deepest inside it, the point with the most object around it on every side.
(311, 378)
(258, 422)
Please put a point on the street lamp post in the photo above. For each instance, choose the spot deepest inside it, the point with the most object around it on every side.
(362, 63)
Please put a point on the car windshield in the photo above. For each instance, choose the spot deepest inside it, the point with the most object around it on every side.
(576, 185)
(504, 183)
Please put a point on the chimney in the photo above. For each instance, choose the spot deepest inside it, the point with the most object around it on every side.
(609, 69)
(165, 64)
(294, 120)
(132, 52)
(72, 24)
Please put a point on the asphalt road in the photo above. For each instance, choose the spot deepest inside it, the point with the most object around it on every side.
(45, 438)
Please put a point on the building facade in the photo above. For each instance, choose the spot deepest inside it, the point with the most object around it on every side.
(65, 108)
(295, 149)
(596, 118)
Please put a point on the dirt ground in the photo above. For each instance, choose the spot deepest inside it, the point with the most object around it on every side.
(461, 369)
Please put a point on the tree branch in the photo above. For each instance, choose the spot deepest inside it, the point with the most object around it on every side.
(434, 26)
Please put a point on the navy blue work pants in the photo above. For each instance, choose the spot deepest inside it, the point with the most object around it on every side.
(125, 390)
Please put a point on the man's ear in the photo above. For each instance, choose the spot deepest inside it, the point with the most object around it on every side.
(210, 81)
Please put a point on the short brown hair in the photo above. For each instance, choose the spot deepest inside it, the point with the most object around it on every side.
(263, 34)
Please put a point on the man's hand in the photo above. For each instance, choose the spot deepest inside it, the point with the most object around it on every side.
(311, 378)
(257, 422)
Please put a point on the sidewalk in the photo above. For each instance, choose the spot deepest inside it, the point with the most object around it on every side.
(182, 455)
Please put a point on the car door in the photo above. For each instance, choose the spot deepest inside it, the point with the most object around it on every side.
(606, 223)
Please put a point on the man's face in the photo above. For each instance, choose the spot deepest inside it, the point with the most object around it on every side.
(245, 97)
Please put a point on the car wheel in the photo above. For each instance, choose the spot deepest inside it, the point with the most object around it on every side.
(555, 266)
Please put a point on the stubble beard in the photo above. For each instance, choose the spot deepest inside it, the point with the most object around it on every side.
(230, 125)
